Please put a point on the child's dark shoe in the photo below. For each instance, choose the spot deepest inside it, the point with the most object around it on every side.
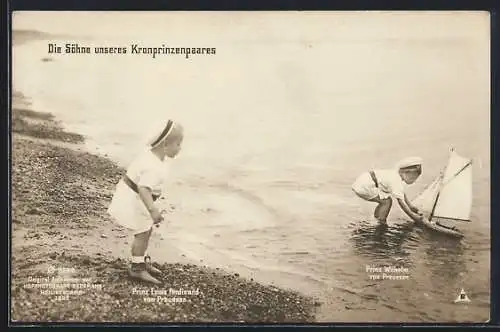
(149, 266)
(138, 271)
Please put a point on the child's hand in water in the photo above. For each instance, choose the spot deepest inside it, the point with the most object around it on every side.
(419, 213)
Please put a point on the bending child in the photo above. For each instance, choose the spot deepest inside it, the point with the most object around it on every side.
(379, 185)
(133, 204)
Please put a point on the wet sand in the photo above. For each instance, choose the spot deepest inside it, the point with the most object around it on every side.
(63, 240)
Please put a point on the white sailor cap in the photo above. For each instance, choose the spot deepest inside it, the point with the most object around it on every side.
(159, 133)
(409, 162)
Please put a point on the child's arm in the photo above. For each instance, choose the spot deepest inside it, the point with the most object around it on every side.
(147, 199)
(411, 206)
(406, 208)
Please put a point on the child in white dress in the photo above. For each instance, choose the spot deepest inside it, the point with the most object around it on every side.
(133, 204)
(379, 186)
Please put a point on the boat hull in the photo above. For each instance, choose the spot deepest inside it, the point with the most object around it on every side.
(447, 197)
(437, 227)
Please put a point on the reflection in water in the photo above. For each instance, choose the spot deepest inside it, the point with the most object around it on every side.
(437, 265)
(384, 242)
(444, 257)
(444, 254)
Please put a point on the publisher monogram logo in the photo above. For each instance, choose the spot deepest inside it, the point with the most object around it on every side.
(462, 297)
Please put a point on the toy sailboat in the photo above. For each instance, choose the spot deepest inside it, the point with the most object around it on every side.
(449, 197)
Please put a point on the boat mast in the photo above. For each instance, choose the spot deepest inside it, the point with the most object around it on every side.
(442, 185)
(434, 207)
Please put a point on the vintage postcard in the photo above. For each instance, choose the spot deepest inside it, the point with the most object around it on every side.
(250, 167)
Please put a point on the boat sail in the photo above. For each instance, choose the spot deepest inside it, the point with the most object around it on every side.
(449, 196)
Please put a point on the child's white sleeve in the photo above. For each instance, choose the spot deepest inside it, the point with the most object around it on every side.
(149, 179)
(398, 189)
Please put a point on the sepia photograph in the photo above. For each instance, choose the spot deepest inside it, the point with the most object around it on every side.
(250, 167)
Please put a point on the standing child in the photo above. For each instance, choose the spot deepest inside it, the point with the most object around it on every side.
(133, 204)
(379, 185)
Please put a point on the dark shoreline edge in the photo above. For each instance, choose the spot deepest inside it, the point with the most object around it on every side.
(60, 196)
(21, 36)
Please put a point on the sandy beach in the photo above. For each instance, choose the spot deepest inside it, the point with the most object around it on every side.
(62, 237)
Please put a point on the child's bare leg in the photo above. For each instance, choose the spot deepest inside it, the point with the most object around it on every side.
(383, 208)
(140, 248)
(140, 243)
(140, 268)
